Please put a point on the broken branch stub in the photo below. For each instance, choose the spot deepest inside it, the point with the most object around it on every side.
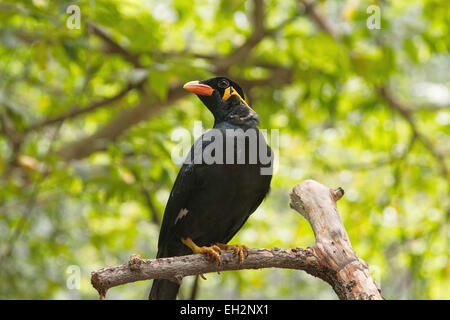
(341, 268)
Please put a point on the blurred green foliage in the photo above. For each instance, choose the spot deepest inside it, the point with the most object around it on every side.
(87, 117)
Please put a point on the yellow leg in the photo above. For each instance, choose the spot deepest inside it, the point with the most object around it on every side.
(238, 248)
(212, 251)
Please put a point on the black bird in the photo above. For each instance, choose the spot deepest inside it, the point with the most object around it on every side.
(223, 180)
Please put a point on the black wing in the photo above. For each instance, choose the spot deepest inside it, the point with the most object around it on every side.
(186, 184)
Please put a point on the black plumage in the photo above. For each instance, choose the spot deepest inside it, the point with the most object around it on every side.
(210, 201)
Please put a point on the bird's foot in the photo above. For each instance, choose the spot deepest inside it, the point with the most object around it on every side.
(238, 248)
(213, 252)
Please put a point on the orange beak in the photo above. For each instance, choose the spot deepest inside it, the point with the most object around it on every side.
(198, 88)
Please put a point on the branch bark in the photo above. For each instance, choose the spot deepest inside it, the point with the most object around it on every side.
(338, 263)
(331, 259)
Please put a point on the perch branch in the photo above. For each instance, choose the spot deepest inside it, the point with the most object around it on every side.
(331, 259)
(176, 268)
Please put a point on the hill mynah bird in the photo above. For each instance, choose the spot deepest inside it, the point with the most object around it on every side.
(224, 178)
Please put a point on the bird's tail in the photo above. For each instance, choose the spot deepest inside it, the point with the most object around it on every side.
(163, 289)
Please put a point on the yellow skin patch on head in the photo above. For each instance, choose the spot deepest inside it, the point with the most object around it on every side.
(230, 91)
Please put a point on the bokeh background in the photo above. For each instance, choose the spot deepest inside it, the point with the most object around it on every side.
(89, 100)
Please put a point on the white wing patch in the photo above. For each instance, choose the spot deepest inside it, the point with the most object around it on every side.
(182, 213)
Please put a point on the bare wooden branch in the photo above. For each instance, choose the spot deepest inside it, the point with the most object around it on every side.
(331, 259)
(176, 268)
(341, 268)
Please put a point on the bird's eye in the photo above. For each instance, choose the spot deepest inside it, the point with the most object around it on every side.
(223, 84)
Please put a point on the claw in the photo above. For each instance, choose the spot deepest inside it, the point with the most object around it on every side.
(213, 251)
(238, 248)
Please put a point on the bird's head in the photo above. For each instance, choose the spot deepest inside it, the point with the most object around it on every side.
(225, 99)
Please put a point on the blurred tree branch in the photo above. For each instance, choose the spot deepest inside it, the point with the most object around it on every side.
(76, 111)
(331, 259)
(113, 46)
(15, 139)
(383, 91)
(145, 110)
(117, 126)
(321, 22)
(29, 207)
(241, 53)
(151, 206)
(407, 114)
(393, 157)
